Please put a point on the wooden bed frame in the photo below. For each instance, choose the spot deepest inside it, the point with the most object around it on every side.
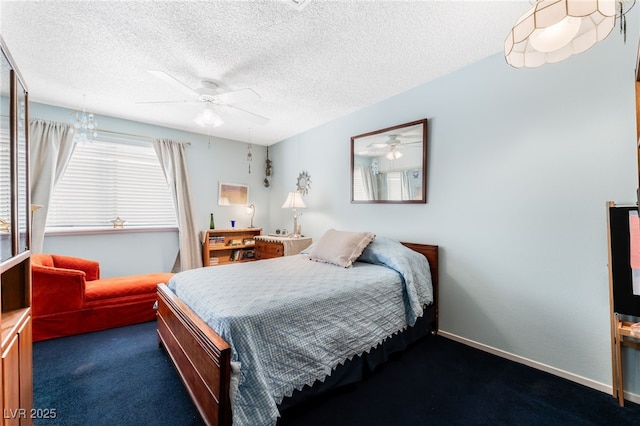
(202, 357)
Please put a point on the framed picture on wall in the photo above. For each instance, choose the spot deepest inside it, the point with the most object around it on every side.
(233, 194)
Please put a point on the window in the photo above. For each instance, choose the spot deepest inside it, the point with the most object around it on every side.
(358, 186)
(108, 178)
(394, 185)
(389, 183)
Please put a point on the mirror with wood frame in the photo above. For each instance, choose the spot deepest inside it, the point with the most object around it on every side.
(6, 231)
(390, 165)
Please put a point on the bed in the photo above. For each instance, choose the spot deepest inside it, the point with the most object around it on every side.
(244, 337)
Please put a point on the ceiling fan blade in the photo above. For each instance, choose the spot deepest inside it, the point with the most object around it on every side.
(372, 152)
(377, 145)
(410, 132)
(168, 78)
(246, 115)
(239, 96)
(166, 102)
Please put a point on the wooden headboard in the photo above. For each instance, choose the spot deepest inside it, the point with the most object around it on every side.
(431, 253)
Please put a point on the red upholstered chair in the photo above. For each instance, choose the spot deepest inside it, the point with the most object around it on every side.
(69, 297)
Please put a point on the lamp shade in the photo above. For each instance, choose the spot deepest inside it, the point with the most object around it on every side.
(294, 201)
(553, 30)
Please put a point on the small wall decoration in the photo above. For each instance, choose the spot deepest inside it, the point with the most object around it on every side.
(303, 183)
(233, 194)
(267, 171)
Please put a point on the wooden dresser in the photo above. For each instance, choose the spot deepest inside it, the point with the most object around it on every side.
(268, 247)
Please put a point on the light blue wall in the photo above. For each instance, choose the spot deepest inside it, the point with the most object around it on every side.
(209, 161)
(521, 164)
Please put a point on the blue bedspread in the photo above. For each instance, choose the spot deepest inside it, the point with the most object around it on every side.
(290, 321)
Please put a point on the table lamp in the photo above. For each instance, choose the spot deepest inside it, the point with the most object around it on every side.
(294, 201)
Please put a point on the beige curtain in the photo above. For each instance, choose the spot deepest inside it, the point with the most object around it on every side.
(407, 186)
(51, 146)
(370, 183)
(174, 164)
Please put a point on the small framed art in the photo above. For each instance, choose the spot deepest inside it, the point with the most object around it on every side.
(233, 194)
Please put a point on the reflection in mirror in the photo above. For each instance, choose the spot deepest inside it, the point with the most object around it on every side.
(389, 165)
(6, 244)
(24, 208)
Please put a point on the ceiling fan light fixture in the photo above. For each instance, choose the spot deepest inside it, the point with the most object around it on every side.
(208, 118)
(215, 98)
(393, 155)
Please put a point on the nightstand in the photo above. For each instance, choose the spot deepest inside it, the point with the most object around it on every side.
(268, 246)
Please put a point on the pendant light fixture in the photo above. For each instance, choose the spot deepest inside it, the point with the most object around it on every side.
(553, 30)
(84, 124)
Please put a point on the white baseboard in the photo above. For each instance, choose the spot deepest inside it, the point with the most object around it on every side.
(539, 366)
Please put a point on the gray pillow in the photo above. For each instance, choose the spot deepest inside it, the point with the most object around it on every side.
(340, 248)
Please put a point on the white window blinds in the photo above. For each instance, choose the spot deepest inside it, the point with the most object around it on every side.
(109, 178)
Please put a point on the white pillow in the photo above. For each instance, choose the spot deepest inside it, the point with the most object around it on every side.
(340, 248)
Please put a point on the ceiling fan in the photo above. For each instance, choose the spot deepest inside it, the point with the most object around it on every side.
(391, 147)
(216, 101)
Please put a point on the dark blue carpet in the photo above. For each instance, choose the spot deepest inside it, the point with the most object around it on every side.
(112, 377)
(121, 376)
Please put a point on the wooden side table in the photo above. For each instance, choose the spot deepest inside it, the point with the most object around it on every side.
(268, 247)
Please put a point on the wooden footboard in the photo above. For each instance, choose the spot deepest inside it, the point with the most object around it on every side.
(203, 358)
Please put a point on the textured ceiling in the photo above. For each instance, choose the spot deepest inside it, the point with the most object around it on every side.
(309, 66)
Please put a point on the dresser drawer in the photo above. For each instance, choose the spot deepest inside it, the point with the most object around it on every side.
(268, 249)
